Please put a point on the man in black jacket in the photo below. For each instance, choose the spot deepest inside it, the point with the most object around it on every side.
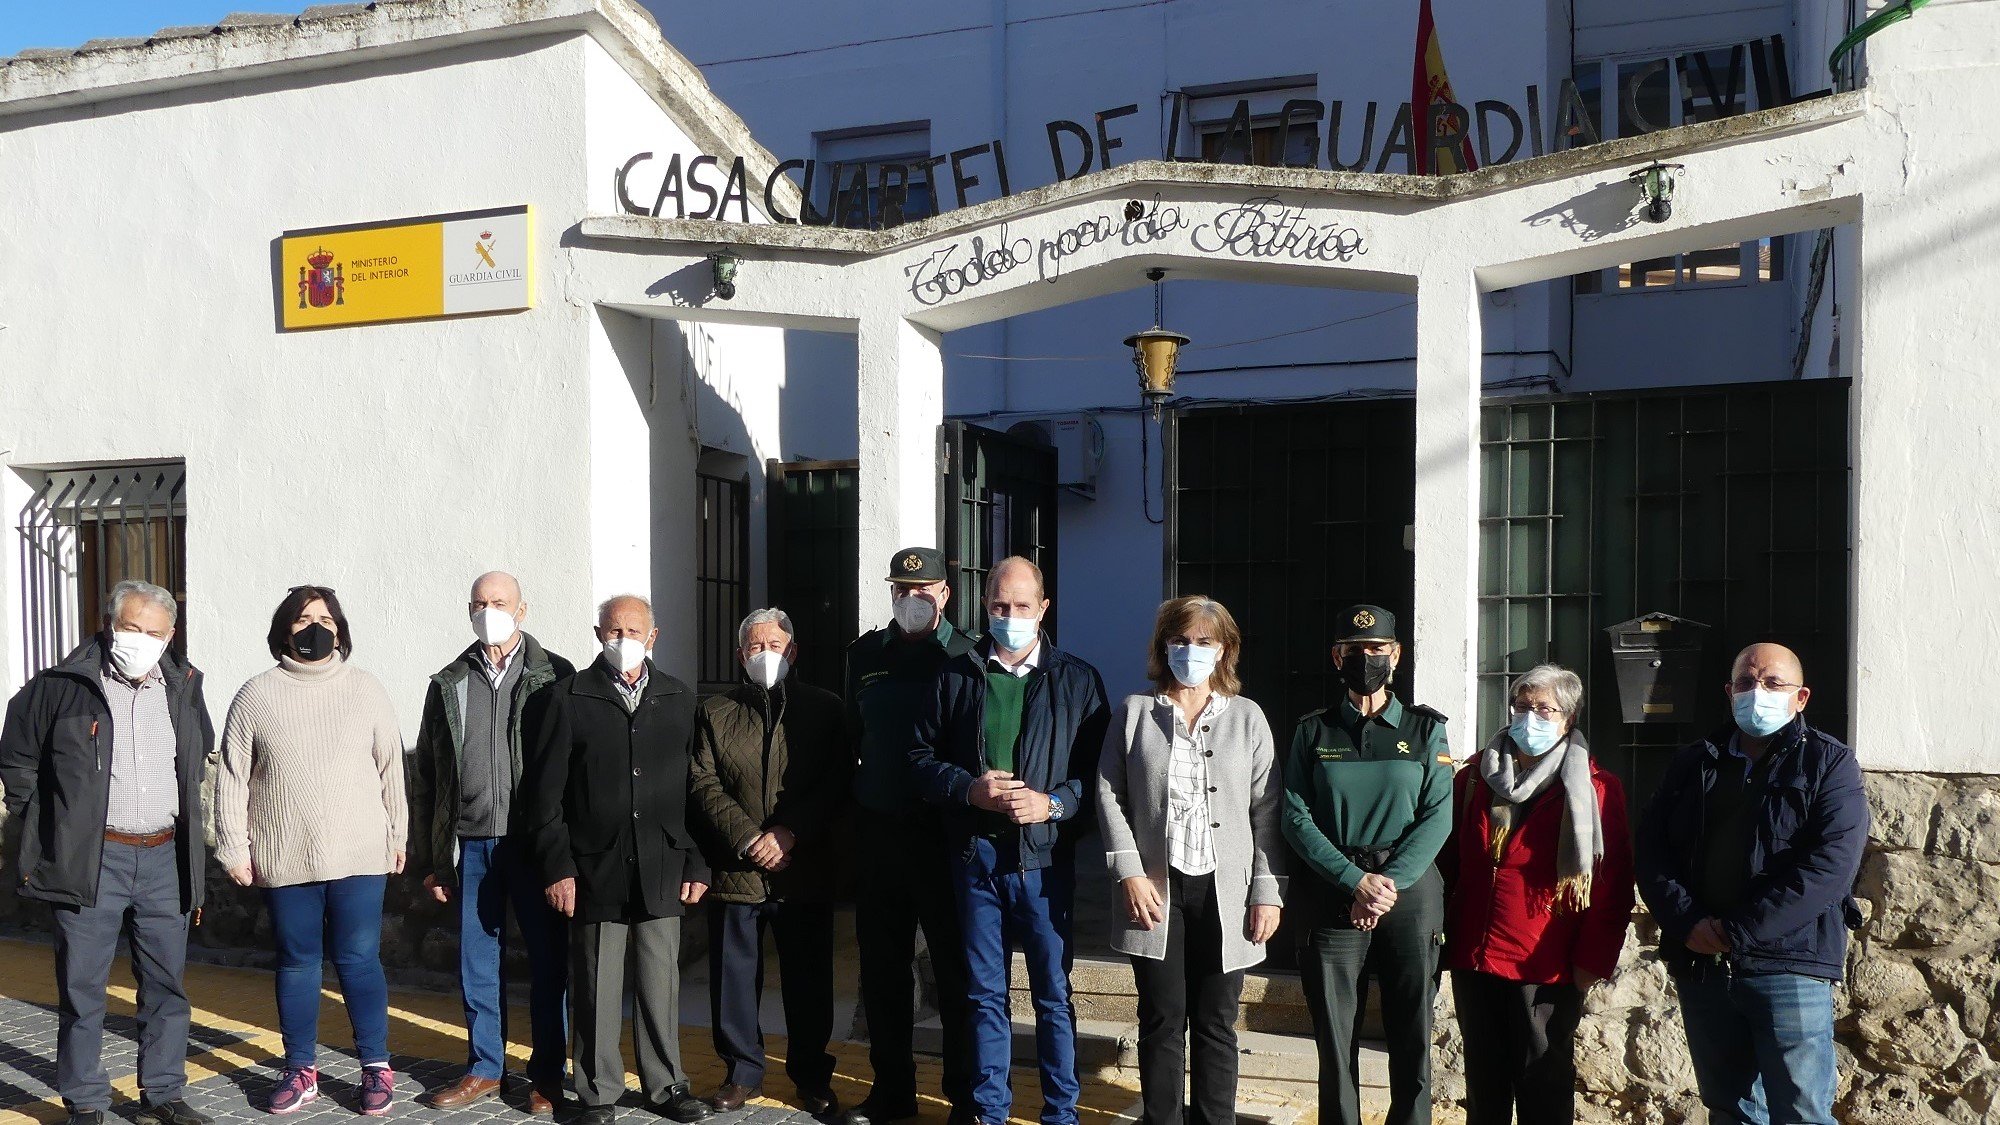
(103, 754)
(1746, 856)
(607, 790)
(465, 802)
(900, 846)
(1008, 743)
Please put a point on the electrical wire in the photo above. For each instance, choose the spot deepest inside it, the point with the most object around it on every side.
(1113, 357)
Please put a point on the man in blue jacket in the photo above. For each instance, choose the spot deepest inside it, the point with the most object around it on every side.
(1008, 743)
(1746, 856)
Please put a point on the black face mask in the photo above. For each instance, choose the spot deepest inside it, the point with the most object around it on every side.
(314, 642)
(1365, 674)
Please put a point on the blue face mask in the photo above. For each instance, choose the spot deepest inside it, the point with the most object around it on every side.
(1192, 664)
(1535, 735)
(1760, 713)
(1013, 633)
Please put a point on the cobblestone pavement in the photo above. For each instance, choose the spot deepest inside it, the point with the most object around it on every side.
(234, 1052)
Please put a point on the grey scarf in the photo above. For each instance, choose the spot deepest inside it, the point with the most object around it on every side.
(1581, 844)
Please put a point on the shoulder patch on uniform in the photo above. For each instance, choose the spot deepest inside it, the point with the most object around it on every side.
(1444, 759)
(1312, 714)
(1430, 712)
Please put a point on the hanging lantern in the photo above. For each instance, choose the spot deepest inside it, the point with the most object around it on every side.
(1156, 352)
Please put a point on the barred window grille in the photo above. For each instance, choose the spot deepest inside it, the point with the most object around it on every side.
(85, 530)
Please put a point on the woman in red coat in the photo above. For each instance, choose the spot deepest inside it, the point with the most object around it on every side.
(1540, 867)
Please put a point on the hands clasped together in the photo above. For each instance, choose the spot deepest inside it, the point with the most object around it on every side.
(999, 791)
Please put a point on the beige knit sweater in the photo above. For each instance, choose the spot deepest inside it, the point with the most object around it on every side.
(311, 783)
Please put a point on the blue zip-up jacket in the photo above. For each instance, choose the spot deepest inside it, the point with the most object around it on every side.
(1805, 853)
(1063, 721)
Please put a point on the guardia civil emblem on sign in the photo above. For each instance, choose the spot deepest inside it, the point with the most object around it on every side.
(320, 281)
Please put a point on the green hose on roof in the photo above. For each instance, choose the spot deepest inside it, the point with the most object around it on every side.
(1895, 13)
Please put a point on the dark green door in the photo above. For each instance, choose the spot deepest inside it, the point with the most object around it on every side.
(813, 539)
(1287, 514)
(999, 500)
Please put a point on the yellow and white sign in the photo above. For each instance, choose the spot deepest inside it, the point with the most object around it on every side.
(408, 269)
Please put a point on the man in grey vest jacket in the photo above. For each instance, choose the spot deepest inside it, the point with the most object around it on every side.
(462, 817)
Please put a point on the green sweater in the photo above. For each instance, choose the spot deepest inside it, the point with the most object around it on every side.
(1374, 783)
(1005, 695)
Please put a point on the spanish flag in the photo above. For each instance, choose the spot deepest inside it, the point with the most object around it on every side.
(1430, 85)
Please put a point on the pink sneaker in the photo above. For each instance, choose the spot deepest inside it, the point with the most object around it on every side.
(378, 1089)
(299, 1086)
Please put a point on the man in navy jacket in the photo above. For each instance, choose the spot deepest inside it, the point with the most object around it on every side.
(1008, 744)
(1746, 856)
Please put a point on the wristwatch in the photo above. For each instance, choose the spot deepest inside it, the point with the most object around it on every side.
(1055, 808)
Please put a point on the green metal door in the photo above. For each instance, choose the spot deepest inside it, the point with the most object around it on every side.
(999, 500)
(813, 541)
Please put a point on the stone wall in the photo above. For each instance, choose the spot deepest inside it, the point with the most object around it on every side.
(1918, 1019)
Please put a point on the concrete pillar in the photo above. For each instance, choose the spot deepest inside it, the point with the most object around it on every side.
(900, 398)
(1446, 631)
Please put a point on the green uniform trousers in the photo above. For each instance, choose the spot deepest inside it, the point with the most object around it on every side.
(1401, 954)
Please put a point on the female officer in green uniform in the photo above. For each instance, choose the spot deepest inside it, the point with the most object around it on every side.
(1367, 807)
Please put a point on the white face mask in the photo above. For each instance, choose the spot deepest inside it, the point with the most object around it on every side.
(1192, 665)
(625, 653)
(766, 668)
(135, 654)
(493, 626)
(915, 613)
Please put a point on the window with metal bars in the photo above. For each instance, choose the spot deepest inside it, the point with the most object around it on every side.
(1725, 505)
(722, 574)
(82, 532)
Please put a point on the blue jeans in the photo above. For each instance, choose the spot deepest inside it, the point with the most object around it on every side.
(1762, 1045)
(339, 920)
(999, 907)
(492, 872)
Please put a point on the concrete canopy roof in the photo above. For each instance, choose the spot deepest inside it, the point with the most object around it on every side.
(253, 45)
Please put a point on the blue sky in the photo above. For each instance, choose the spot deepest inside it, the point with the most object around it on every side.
(66, 23)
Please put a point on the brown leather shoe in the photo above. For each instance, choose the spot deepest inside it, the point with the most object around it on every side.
(539, 1104)
(465, 1091)
(732, 1095)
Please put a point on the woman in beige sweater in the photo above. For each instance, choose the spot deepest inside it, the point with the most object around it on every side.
(309, 806)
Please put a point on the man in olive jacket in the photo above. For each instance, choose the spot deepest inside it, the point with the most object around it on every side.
(769, 778)
(606, 785)
(103, 757)
(464, 806)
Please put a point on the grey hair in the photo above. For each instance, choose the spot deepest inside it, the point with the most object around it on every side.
(758, 617)
(1558, 682)
(133, 588)
(607, 605)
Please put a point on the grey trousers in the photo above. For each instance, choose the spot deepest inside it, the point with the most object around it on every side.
(598, 958)
(139, 896)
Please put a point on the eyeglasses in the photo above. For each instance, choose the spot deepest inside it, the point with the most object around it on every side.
(1545, 710)
(1769, 683)
(311, 589)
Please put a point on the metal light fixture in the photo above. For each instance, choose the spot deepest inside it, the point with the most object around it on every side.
(1656, 187)
(1156, 352)
(724, 265)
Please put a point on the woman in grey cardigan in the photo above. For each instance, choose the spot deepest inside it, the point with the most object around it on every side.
(1188, 802)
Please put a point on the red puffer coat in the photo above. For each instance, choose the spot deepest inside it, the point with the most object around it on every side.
(1499, 917)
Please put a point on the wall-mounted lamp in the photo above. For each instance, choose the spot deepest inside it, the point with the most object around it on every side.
(723, 265)
(1156, 352)
(1656, 189)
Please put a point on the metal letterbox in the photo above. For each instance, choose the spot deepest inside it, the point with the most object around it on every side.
(1656, 657)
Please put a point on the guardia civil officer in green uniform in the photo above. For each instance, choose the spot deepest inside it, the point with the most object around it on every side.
(900, 845)
(1367, 808)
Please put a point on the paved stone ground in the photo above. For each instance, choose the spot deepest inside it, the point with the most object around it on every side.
(234, 1053)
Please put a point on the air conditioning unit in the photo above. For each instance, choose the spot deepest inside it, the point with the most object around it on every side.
(1078, 440)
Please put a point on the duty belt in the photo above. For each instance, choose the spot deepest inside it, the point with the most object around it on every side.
(1371, 860)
